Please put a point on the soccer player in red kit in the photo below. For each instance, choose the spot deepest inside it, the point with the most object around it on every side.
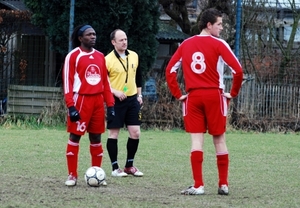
(86, 88)
(202, 58)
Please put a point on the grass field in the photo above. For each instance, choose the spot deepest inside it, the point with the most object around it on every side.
(264, 171)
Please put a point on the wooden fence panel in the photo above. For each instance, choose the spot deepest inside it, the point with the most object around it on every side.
(31, 99)
(261, 101)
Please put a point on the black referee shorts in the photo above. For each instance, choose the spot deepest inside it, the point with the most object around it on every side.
(126, 112)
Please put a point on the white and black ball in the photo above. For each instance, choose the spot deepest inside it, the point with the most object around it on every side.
(94, 176)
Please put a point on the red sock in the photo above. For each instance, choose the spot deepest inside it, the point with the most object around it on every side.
(223, 164)
(196, 162)
(72, 157)
(96, 151)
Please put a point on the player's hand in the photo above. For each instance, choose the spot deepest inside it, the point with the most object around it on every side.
(110, 114)
(227, 95)
(183, 97)
(74, 114)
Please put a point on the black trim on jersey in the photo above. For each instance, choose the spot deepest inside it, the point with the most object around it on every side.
(138, 77)
(127, 63)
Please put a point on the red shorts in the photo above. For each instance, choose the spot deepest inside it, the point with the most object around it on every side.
(205, 109)
(92, 114)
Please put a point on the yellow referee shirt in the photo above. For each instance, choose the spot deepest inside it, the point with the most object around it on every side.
(122, 71)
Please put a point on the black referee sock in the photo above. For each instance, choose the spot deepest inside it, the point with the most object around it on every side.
(112, 149)
(132, 146)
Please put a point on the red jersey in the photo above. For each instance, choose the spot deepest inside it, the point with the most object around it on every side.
(85, 73)
(202, 58)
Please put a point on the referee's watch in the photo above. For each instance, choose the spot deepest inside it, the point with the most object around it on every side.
(140, 96)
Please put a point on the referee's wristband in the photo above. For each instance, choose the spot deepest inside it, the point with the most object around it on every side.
(141, 96)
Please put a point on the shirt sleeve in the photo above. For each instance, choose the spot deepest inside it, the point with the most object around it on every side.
(171, 73)
(68, 79)
(107, 92)
(235, 66)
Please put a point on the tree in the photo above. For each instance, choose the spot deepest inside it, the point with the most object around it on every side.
(139, 18)
(286, 48)
(269, 36)
(177, 10)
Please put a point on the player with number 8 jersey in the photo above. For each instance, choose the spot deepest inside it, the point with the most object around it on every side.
(203, 65)
(202, 58)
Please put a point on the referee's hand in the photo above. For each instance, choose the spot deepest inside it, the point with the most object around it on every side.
(120, 95)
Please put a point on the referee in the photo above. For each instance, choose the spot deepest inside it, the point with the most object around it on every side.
(126, 83)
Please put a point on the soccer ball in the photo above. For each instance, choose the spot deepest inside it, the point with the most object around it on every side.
(94, 176)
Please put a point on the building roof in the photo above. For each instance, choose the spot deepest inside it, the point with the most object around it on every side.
(27, 28)
(14, 4)
(169, 33)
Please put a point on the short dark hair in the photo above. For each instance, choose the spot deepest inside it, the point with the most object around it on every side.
(210, 15)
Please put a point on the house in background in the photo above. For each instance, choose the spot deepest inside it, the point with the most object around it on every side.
(27, 58)
(169, 37)
(29, 47)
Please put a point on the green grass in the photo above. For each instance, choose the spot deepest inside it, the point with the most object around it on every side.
(264, 171)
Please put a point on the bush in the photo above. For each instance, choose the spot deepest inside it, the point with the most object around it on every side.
(165, 112)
